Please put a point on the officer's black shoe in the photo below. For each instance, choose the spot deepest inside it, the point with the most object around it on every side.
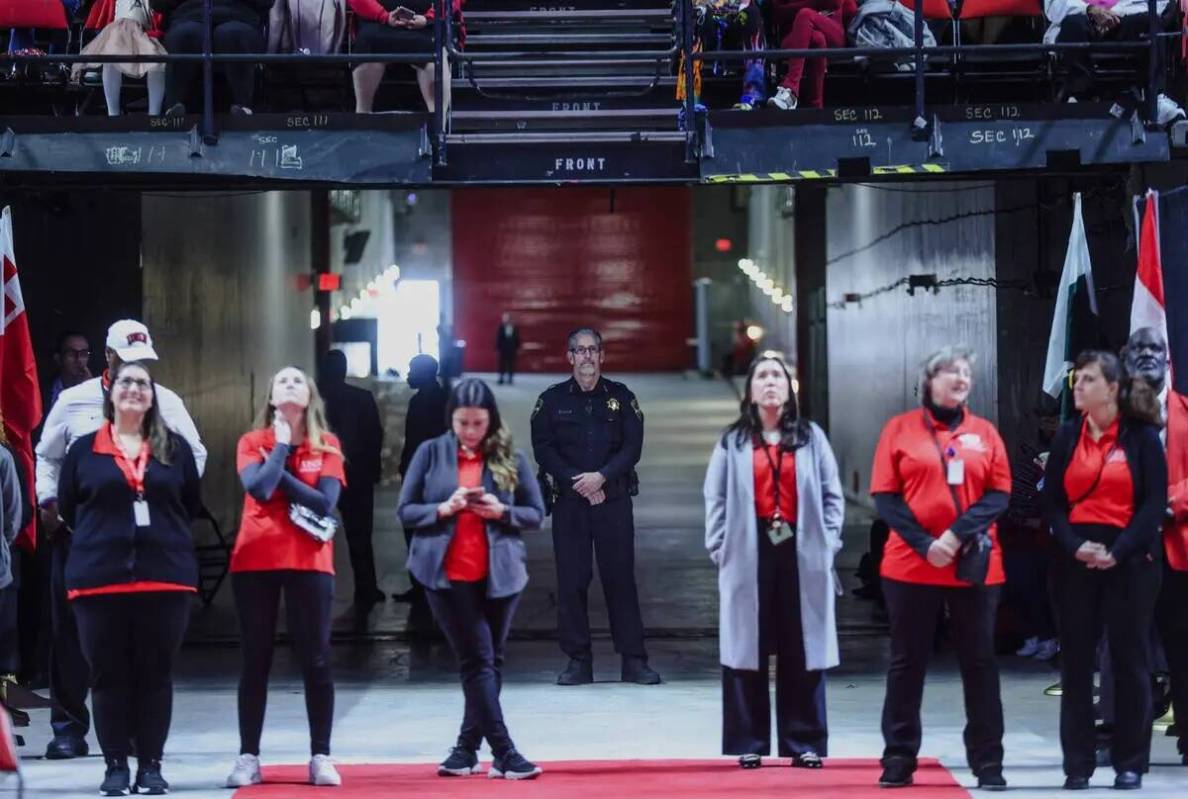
(462, 762)
(990, 778)
(118, 779)
(638, 671)
(578, 672)
(897, 773)
(1128, 781)
(149, 780)
(65, 747)
(750, 761)
(1075, 783)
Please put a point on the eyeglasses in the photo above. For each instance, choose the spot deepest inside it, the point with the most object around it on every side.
(133, 382)
(80, 355)
(586, 350)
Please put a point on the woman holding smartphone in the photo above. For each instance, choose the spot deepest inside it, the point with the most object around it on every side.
(396, 26)
(467, 497)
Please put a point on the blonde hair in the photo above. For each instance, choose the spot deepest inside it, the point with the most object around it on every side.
(501, 458)
(316, 426)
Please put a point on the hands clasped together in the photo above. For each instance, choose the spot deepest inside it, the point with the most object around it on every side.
(1095, 556)
(589, 486)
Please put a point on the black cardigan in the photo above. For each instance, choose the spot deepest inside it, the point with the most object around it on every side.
(1148, 470)
(107, 548)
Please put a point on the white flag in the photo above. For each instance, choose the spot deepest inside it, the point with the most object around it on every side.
(1076, 266)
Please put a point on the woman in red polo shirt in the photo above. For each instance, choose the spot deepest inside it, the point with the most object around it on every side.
(467, 497)
(1105, 496)
(940, 479)
(128, 492)
(289, 459)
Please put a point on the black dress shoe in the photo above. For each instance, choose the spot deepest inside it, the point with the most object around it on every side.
(1073, 783)
(1128, 781)
(750, 761)
(638, 671)
(65, 747)
(990, 778)
(578, 672)
(897, 774)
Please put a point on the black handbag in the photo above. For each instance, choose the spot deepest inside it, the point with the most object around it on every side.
(973, 559)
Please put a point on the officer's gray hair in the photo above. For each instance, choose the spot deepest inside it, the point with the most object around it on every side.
(571, 342)
(939, 361)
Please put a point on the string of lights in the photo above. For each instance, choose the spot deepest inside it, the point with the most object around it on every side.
(386, 279)
(779, 296)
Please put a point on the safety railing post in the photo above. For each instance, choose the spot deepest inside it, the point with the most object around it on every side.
(1153, 63)
(692, 125)
(918, 35)
(441, 39)
(208, 124)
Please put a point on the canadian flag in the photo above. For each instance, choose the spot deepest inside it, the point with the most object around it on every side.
(20, 396)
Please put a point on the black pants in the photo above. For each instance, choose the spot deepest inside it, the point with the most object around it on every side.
(1171, 614)
(1122, 601)
(913, 609)
(69, 674)
(1076, 28)
(34, 616)
(800, 694)
(309, 596)
(229, 36)
(130, 642)
(476, 627)
(357, 505)
(582, 531)
(507, 366)
(10, 647)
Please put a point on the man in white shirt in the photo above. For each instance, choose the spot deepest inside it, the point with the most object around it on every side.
(77, 412)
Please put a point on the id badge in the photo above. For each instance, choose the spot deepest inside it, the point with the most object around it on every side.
(140, 512)
(779, 531)
(955, 473)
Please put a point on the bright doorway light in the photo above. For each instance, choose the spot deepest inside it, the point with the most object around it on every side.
(406, 322)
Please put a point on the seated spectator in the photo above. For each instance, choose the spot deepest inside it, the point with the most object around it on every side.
(396, 26)
(808, 24)
(728, 25)
(238, 27)
(1102, 21)
(126, 25)
(23, 41)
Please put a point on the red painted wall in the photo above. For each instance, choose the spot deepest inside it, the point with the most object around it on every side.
(618, 260)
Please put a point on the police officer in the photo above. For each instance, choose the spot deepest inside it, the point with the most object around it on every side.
(587, 434)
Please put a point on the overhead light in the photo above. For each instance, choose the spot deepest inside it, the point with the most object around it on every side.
(745, 263)
(315, 319)
(786, 305)
(345, 312)
(754, 332)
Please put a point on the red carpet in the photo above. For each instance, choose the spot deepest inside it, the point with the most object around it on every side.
(684, 779)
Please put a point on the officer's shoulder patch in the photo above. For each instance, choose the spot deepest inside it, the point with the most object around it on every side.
(539, 405)
(635, 407)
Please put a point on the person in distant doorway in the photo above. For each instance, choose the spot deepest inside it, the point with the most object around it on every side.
(507, 345)
(71, 357)
(425, 419)
(353, 416)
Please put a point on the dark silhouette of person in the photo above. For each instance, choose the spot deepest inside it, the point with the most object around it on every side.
(507, 345)
(426, 419)
(354, 417)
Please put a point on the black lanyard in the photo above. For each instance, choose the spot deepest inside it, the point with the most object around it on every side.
(940, 452)
(776, 465)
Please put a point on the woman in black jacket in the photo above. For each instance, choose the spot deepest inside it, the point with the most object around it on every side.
(1105, 495)
(128, 492)
(237, 26)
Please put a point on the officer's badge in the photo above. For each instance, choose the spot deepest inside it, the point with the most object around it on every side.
(539, 405)
(613, 404)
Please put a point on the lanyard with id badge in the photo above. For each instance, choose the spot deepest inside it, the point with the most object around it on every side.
(134, 472)
(778, 530)
(973, 559)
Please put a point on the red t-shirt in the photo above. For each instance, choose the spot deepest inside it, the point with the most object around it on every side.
(467, 559)
(1112, 500)
(906, 463)
(765, 482)
(267, 540)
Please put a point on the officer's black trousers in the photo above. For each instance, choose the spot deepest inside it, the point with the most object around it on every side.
(582, 531)
(1122, 600)
(1171, 613)
(800, 694)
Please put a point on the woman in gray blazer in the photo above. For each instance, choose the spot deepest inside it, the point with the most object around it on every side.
(467, 497)
(773, 522)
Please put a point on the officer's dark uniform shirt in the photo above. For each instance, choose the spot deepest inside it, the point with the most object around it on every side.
(575, 431)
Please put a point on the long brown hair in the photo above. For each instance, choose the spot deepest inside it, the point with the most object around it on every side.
(794, 431)
(497, 447)
(1136, 399)
(316, 426)
(152, 427)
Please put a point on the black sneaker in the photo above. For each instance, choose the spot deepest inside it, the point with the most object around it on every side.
(513, 766)
(897, 774)
(149, 780)
(66, 747)
(118, 780)
(990, 779)
(578, 672)
(462, 762)
(638, 671)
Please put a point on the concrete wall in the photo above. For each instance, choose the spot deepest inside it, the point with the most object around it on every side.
(222, 299)
(720, 212)
(877, 234)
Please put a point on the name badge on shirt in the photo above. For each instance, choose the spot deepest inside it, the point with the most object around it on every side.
(955, 472)
(140, 513)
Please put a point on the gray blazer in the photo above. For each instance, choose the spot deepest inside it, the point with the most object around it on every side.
(432, 477)
(10, 513)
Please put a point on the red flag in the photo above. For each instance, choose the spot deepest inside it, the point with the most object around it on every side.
(1147, 309)
(20, 396)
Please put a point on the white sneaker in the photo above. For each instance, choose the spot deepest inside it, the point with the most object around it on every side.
(1029, 648)
(1167, 110)
(783, 99)
(246, 771)
(322, 771)
(1047, 649)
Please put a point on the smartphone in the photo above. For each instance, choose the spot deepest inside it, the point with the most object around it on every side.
(475, 494)
(404, 13)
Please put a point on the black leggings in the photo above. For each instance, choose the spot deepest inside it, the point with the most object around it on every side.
(229, 36)
(130, 642)
(309, 596)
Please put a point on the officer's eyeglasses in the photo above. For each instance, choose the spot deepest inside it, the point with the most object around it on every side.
(585, 350)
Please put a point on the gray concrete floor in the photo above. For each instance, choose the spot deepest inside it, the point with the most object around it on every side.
(397, 698)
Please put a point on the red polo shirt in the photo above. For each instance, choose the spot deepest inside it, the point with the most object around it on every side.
(1111, 501)
(267, 540)
(467, 558)
(906, 462)
(765, 482)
